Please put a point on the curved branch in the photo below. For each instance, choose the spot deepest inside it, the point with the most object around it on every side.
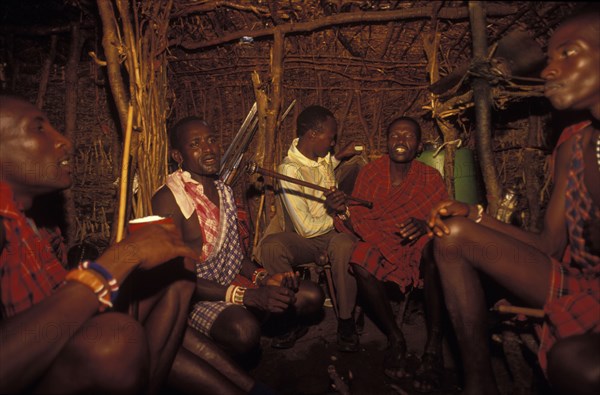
(203, 8)
(110, 43)
(345, 18)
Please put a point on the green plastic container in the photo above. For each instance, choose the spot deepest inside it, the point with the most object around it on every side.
(466, 185)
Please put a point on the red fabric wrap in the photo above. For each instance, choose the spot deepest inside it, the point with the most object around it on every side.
(380, 250)
(29, 269)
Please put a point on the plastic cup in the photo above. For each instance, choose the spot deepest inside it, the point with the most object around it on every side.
(138, 223)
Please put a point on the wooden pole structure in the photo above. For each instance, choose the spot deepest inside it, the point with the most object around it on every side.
(482, 99)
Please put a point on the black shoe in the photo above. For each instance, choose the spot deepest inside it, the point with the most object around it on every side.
(360, 320)
(347, 337)
(287, 340)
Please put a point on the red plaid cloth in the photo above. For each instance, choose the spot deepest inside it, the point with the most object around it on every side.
(573, 305)
(208, 215)
(244, 229)
(380, 250)
(29, 268)
(572, 308)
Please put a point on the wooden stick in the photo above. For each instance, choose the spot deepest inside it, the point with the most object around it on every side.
(124, 172)
(252, 168)
(507, 309)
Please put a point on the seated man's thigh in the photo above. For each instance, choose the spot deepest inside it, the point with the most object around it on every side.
(108, 352)
(281, 252)
(340, 248)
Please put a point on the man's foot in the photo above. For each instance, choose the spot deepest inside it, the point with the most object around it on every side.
(429, 375)
(347, 337)
(288, 339)
(394, 361)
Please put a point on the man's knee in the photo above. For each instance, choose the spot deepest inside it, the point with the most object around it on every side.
(450, 246)
(112, 352)
(310, 297)
(237, 329)
(340, 249)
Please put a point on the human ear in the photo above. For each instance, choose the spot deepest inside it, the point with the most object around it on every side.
(176, 155)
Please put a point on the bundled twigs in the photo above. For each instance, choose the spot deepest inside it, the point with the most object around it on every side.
(136, 38)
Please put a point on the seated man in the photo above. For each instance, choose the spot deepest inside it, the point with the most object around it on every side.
(527, 264)
(309, 160)
(391, 243)
(57, 333)
(230, 287)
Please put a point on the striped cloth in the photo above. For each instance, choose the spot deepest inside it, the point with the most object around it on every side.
(29, 268)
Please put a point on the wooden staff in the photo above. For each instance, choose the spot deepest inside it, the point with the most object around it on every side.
(508, 309)
(124, 173)
(252, 167)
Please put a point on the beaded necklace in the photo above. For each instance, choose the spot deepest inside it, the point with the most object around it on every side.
(598, 151)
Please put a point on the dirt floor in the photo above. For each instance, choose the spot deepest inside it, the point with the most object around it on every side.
(303, 369)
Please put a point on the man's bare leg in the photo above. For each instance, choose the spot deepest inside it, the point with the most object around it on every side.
(460, 256)
(108, 354)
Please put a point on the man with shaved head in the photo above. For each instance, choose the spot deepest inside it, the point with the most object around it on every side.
(68, 331)
(533, 266)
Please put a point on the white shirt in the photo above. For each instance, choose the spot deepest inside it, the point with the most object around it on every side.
(306, 206)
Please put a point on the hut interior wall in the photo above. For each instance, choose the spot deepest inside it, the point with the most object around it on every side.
(366, 73)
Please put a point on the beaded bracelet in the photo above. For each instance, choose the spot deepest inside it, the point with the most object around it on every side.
(258, 275)
(235, 294)
(229, 293)
(98, 268)
(91, 281)
(238, 295)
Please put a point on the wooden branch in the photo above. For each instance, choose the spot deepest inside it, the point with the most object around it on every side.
(111, 45)
(482, 99)
(45, 74)
(277, 55)
(212, 6)
(123, 183)
(528, 311)
(452, 13)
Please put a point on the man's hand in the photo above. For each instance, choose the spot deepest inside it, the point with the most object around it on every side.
(411, 230)
(153, 245)
(349, 150)
(289, 280)
(269, 298)
(445, 209)
(335, 201)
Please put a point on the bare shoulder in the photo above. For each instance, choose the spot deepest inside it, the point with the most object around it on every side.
(164, 203)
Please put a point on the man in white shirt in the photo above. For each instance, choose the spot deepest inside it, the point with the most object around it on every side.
(309, 159)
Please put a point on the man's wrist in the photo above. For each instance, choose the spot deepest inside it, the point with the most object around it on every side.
(259, 276)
